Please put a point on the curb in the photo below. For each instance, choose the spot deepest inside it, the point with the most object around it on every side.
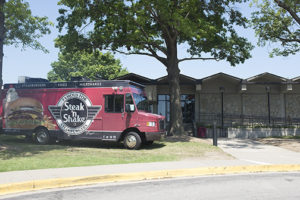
(137, 176)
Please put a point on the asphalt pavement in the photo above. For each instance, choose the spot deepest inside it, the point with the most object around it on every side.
(250, 156)
(266, 186)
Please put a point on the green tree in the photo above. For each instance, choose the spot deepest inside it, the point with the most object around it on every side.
(278, 21)
(90, 65)
(156, 28)
(19, 27)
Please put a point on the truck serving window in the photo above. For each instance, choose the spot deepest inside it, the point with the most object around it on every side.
(114, 103)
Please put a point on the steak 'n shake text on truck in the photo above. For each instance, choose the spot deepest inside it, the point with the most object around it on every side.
(101, 110)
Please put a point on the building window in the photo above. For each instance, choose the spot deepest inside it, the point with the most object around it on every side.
(187, 107)
(114, 103)
(164, 106)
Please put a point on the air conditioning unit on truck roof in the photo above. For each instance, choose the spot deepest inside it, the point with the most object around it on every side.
(98, 110)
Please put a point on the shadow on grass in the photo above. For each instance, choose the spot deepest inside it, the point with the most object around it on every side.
(106, 145)
(178, 138)
(17, 146)
(287, 137)
(281, 141)
(153, 146)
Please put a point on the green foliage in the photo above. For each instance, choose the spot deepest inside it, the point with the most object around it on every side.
(155, 28)
(22, 28)
(90, 65)
(151, 27)
(278, 21)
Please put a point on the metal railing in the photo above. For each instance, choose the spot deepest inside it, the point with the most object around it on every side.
(251, 121)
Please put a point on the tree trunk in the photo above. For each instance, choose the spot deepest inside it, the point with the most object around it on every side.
(175, 125)
(2, 36)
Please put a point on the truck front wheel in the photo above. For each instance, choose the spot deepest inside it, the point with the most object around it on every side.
(42, 136)
(132, 140)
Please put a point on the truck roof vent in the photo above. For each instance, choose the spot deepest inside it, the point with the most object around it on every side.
(26, 79)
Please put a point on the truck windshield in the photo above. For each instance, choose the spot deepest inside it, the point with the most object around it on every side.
(141, 102)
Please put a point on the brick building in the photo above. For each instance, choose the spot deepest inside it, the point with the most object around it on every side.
(262, 100)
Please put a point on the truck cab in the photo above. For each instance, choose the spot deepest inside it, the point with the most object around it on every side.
(127, 110)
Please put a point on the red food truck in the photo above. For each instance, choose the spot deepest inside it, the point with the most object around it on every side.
(102, 110)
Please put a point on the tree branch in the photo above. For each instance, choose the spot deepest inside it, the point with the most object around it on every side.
(191, 58)
(128, 53)
(155, 17)
(287, 29)
(288, 40)
(161, 59)
(287, 8)
(84, 27)
(147, 36)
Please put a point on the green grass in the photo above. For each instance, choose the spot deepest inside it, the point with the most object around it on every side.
(17, 154)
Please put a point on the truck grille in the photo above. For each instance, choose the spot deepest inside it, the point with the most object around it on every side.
(161, 124)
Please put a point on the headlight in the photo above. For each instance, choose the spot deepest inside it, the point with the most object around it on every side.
(152, 124)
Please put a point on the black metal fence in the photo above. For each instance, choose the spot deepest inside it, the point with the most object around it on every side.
(251, 121)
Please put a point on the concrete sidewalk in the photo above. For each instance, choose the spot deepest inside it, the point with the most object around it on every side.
(251, 156)
(254, 152)
(41, 174)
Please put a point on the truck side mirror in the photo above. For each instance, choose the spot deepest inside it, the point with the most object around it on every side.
(129, 108)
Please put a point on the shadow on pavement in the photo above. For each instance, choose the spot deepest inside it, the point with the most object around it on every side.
(241, 144)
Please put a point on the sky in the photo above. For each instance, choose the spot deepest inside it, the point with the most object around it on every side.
(35, 63)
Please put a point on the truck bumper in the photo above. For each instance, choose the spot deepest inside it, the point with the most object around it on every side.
(151, 136)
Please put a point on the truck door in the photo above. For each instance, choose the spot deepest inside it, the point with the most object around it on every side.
(130, 117)
(113, 116)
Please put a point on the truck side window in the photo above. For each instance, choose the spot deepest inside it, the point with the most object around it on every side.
(114, 103)
(128, 99)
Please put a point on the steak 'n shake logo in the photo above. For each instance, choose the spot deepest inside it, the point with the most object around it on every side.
(74, 113)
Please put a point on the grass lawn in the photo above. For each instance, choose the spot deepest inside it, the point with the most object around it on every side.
(18, 154)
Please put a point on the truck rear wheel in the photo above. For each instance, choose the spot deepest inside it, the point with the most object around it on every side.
(132, 140)
(42, 136)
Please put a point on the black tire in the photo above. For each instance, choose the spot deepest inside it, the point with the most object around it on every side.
(132, 140)
(42, 136)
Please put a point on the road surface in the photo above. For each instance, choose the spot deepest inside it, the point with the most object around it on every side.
(266, 186)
